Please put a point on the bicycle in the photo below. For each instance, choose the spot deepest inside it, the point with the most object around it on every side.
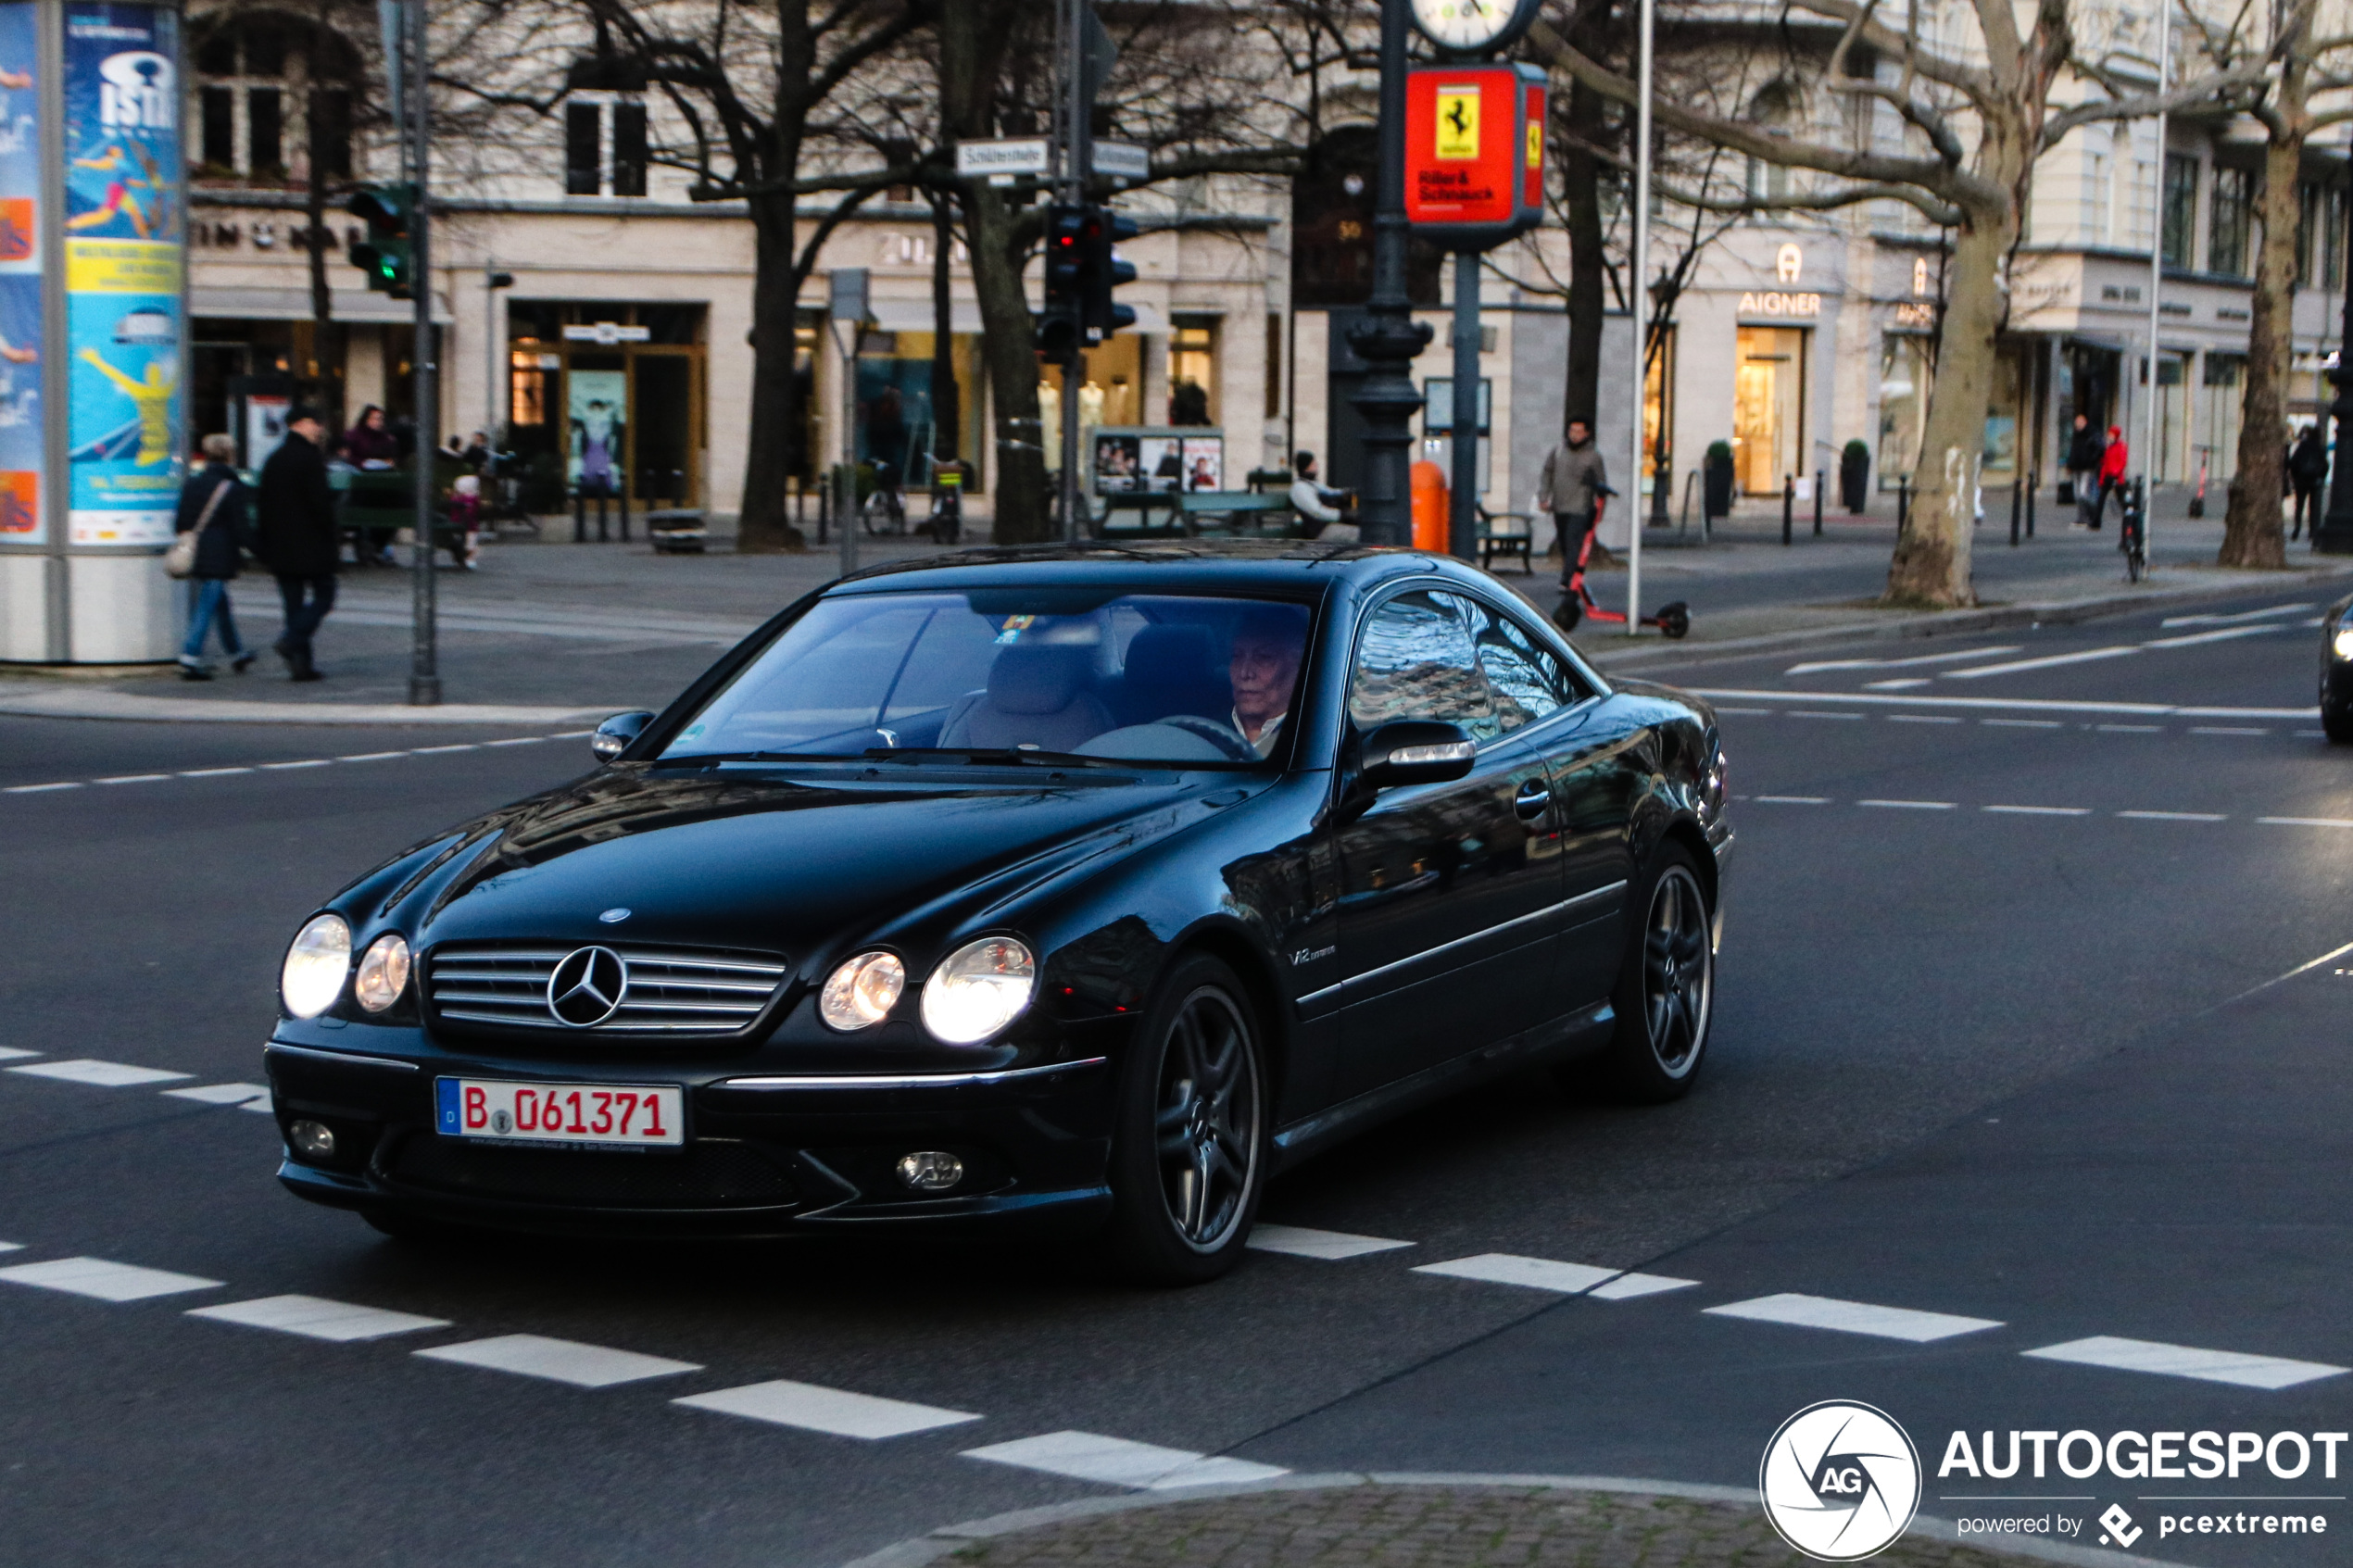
(2131, 531)
(884, 509)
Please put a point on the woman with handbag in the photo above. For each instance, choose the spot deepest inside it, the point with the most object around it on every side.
(209, 538)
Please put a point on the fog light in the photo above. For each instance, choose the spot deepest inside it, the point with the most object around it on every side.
(313, 1140)
(933, 1170)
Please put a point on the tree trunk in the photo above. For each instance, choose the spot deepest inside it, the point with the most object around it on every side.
(1588, 272)
(1023, 512)
(765, 523)
(947, 409)
(1931, 569)
(2251, 532)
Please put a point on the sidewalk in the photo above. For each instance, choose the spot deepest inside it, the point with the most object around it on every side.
(1502, 1521)
(556, 633)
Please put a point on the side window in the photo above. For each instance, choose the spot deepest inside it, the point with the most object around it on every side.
(1416, 660)
(1528, 681)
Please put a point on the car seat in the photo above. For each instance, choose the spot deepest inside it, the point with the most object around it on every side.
(1174, 670)
(1035, 698)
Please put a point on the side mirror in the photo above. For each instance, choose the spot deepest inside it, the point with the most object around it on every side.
(616, 734)
(1414, 751)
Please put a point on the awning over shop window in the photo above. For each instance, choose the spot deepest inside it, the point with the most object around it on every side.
(357, 306)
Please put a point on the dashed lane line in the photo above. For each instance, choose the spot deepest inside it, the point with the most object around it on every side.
(2010, 704)
(1911, 805)
(2039, 810)
(10, 1053)
(105, 1280)
(2221, 619)
(224, 1094)
(1801, 714)
(314, 1317)
(836, 1411)
(1300, 1242)
(1951, 656)
(2048, 661)
(1084, 1456)
(2307, 822)
(1913, 718)
(1855, 1317)
(2174, 816)
(1536, 1274)
(557, 1361)
(2271, 1372)
(99, 1075)
(287, 767)
(1627, 1286)
(2024, 723)
(1794, 799)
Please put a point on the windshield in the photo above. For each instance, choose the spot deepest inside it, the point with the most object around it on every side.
(1126, 677)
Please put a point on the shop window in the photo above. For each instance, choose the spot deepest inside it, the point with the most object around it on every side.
(1192, 371)
(2227, 218)
(2180, 209)
(273, 101)
(2319, 236)
(1658, 410)
(605, 145)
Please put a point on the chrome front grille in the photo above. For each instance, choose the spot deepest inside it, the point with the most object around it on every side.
(670, 990)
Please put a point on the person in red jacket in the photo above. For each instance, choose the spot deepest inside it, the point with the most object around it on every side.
(2111, 472)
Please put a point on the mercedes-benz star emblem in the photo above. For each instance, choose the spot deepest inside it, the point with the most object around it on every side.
(588, 986)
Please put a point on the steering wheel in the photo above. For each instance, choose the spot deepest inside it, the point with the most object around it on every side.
(1219, 735)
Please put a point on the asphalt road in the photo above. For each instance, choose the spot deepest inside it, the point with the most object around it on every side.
(1986, 1050)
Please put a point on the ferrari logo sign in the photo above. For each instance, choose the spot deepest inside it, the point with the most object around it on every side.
(1457, 123)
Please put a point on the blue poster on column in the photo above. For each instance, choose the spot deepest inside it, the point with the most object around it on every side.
(124, 233)
(22, 520)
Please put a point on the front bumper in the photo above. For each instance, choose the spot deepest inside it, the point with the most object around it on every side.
(766, 1154)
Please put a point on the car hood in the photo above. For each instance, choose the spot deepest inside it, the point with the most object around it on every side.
(782, 862)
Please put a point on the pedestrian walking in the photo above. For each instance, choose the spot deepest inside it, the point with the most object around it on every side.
(1570, 488)
(214, 507)
(298, 538)
(2307, 465)
(2084, 450)
(2112, 462)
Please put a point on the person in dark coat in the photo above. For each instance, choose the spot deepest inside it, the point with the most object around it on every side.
(371, 443)
(2084, 450)
(298, 538)
(2307, 465)
(215, 501)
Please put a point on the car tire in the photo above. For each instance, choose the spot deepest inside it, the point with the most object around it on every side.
(1192, 1139)
(1664, 997)
(2338, 723)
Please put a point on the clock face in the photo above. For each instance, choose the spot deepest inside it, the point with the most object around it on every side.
(1468, 25)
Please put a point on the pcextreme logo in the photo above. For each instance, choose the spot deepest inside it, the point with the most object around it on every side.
(1840, 1481)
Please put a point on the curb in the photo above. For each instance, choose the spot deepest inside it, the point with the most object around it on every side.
(1954, 622)
(28, 699)
(919, 1550)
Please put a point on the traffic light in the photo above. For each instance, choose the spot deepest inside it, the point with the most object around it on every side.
(1061, 326)
(1103, 271)
(385, 254)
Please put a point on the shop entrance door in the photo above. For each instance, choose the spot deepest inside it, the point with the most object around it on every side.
(1769, 407)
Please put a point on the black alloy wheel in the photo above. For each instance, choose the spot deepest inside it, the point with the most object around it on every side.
(1189, 1154)
(1666, 994)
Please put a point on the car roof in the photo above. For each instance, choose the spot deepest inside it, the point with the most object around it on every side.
(1288, 566)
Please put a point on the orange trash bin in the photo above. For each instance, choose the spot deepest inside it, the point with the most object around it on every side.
(1430, 509)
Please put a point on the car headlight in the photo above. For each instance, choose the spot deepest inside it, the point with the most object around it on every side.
(312, 976)
(384, 971)
(863, 991)
(2342, 644)
(982, 987)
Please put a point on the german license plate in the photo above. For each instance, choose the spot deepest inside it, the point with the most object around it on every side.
(501, 1111)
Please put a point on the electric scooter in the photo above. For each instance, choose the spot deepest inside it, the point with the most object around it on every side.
(1673, 619)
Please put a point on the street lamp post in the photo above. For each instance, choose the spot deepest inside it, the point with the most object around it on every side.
(1389, 338)
(1638, 302)
(2333, 535)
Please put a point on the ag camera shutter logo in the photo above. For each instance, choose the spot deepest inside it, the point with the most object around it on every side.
(1840, 1481)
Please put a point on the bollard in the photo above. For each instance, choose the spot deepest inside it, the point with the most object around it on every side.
(1818, 476)
(1902, 500)
(579, 516)
(2034, 482)
(1789, 502)
(2017, 496)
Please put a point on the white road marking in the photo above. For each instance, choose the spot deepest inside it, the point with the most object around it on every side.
(36, 789)
(2124, 729)
(10, 1053)
(1300, 1242)
(309, 762)
(211, 772)
(11, 1246)
(2025, 723)
(1625, 1288)
(1536, 1274)
(2225, 730)
(519, 740)
(559, 1360)
(1945, 658)
(437, 750)
(2307, 822)
(834, 1411)
(2225, 635)
(2048, 661)
(1922, 719)
(2180, 1361)
(2040, 810)
(1911, 805)
(133, 778)
(1118, 1463)
(2218, 619)
(1801, 714)
(1757, 712)
(222, 1094)
(2011, 704)
(102, 1075)
(313, 762)
(2175, 816)
(1794, 799)
(1855, 1317)
(371, 757)
(314, 1317)
(1904, 685)
(105, 1280)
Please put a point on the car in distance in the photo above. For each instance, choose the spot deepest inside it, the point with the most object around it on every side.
(1084, 886)
(2336, 672)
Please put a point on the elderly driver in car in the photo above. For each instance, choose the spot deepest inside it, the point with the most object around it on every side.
(1264, 668)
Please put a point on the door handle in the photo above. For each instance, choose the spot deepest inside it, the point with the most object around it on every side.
(1534, 798)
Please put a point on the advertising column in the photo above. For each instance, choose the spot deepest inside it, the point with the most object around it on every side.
(124, 232)
(24, 533)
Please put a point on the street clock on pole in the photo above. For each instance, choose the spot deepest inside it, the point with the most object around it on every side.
(1473, 26)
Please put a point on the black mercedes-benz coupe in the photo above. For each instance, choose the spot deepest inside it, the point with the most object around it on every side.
(1084, 886)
